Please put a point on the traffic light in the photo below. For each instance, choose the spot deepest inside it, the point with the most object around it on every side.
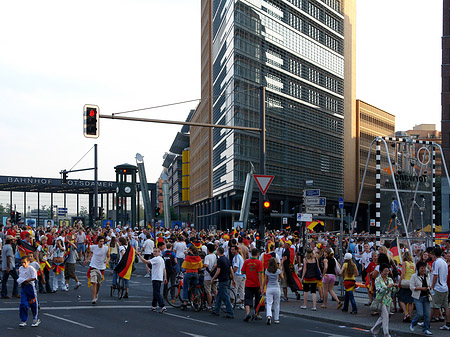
(91, 120)
(100, 213)
(157, 210)
(254, 207)
(267, 207)
(64, 176)
(18, 217)
(12, 215)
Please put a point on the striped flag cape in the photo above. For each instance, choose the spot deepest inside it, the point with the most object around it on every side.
(58, 268)
(192, 262)
(44, 265)
(25, 248)
(125, 266)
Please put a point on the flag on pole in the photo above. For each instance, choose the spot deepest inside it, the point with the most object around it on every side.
(125, 266)
(395, 251)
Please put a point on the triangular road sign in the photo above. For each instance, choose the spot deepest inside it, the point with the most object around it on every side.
(263, 182)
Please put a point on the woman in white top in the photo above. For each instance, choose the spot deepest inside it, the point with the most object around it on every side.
(273, 273)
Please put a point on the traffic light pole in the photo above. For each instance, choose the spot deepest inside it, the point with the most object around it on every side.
(96, 184)
(262, 156)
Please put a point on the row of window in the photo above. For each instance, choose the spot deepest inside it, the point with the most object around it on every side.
(378, 123)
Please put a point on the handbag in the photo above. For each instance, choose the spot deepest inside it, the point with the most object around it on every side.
(318, 273)
(405, 283)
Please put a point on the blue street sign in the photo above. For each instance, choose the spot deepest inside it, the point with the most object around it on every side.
(341, 203)
(312, 193)
(394, 206)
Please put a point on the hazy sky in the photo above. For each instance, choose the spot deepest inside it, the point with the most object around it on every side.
(57, 56)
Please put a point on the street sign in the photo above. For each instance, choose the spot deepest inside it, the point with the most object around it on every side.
(394, 206)
(304, 217)
(62, 210)
(341, 203)
(312, 193)
(315, 209)
(285, 221)
(263, 182)
(372, 222)
(315, 201)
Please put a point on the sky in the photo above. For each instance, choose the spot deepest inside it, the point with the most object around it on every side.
(57, 56)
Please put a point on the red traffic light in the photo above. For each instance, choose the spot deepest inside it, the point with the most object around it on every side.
(266, 204)
(92, 113)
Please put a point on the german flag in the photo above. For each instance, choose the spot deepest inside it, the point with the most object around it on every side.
(192, 262)
(124, 267)
(89, 276)
(395, 250)
(197, 244)
(58, 268)
(25, 248)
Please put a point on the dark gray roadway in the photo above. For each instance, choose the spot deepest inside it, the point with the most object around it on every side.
(72, 314)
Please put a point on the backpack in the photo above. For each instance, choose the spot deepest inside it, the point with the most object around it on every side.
(169, 260)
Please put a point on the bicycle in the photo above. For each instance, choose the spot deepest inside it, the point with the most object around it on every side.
(120, 288)
(231, 293)
(194, 294)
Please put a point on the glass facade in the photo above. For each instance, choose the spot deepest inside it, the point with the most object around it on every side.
(295, 49)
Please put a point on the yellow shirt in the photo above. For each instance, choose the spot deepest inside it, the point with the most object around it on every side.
(410, 270)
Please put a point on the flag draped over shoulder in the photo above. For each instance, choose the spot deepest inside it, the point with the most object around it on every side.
(395, 250)
(192, 262)
(125, 266)
(25, 248)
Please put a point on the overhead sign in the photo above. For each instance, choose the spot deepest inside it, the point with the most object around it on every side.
(341, 203)
(263, 182)
(312, 193)
(304, 217)
(315, 201)
(315, 209)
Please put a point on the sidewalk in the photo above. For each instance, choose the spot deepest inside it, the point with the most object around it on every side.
(362, 320)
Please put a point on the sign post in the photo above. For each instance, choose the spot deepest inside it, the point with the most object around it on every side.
(341, 253)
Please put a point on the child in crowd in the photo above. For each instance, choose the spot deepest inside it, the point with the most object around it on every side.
(27, 276)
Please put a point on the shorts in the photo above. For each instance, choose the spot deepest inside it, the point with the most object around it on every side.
(208, 285)
(81, 248)
(283, 282)
(319, 284)
(440, 300)
(310, 287)
(329, 278)
(69, 271)
(147, 256)
(250, 293)
(96, 276)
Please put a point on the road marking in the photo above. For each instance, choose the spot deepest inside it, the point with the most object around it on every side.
(83, 307)
(192, 334)
(190, 319)
(62, 301)
(70, 321)
(329, 334)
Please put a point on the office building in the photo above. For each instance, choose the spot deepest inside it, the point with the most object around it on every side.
(302, 52)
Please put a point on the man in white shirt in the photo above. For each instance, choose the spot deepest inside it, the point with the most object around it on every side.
(210, 264)
(98, 258)
(158, 277)
(439, 286)
(179, 248)
(147, 248)
(239, 278)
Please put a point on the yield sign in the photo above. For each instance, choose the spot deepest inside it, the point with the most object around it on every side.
(263, 182)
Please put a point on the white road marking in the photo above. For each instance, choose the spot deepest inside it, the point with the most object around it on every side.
(190, 319)
(328, 334)
(70, 321)
(83, 307)
(62, 301)
(192, 334)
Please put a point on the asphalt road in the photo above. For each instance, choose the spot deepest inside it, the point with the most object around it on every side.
(72, 314)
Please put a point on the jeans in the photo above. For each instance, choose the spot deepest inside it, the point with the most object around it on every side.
(59, 279)
(179, 263)
(5, 276)
(189, 279)
(349, 297)
(224, 295)
(157, 298)
(171, 279)
(273, 297)
(423, 311)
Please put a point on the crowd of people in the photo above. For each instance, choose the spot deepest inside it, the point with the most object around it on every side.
(260, 270)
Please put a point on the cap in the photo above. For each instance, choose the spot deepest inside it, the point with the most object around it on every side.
(288, 242)
(348, 256)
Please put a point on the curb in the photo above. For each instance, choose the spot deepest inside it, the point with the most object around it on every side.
(355, 325)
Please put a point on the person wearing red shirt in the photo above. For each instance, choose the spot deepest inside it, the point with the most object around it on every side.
(369, 281)
(253, 269)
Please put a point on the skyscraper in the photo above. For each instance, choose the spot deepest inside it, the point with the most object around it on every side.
(295, 48)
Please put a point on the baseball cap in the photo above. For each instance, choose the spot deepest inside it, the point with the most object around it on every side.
(348, 256)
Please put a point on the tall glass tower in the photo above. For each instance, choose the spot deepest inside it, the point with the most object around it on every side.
(295, 48)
